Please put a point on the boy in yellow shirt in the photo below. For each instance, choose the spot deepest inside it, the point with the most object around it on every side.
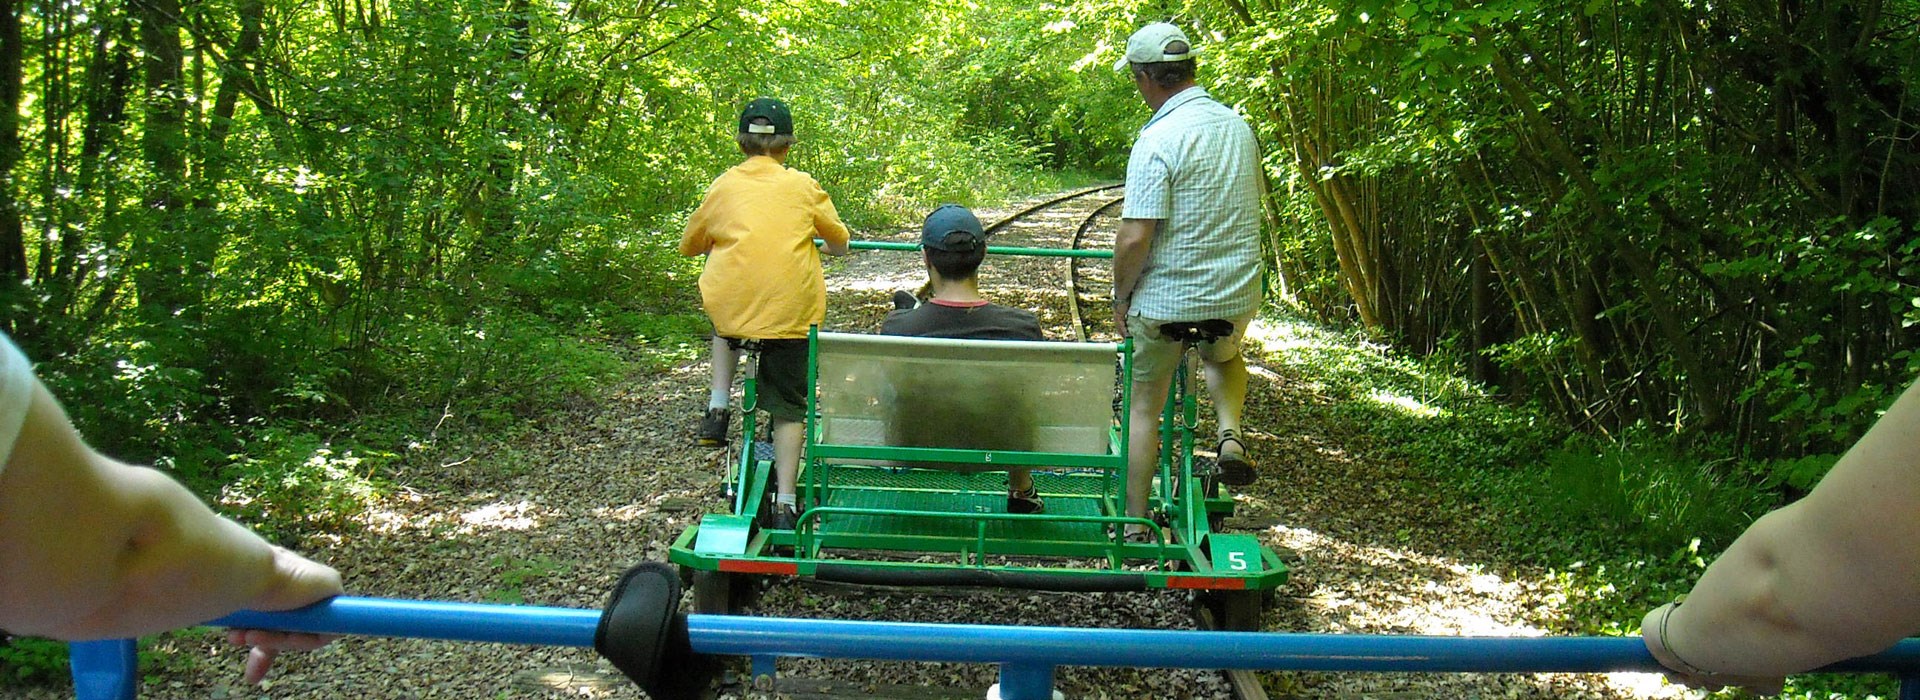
(762, 282)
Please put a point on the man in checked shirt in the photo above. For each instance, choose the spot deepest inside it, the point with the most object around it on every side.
(1188, 249)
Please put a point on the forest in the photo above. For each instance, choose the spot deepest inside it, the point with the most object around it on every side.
(268, 245)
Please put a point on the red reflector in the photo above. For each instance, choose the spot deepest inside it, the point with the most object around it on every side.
(1232, 584)
(743, 566)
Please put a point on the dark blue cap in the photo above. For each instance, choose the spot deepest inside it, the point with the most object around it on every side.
(779, 119)
(954, 229)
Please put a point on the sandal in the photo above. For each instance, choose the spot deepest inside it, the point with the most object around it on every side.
(1128, 535)
(1235, 470)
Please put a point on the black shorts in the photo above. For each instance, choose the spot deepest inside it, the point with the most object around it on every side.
(782, 381)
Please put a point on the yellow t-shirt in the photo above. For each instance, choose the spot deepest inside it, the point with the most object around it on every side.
(756, 227)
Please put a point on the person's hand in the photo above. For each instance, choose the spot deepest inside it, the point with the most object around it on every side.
(297, 582)
(1679, 672)
(1120, 318)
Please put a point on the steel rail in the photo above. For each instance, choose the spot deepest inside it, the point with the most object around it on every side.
(1003, 223)
(1074, 314)
(1244, 683)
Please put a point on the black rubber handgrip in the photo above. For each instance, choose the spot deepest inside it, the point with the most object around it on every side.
(645, 636)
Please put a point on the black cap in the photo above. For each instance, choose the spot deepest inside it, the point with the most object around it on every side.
(778, 118)
(954, 229)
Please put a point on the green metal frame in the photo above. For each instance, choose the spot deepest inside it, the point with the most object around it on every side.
(857, 514)
(866, 517)
(747, 490)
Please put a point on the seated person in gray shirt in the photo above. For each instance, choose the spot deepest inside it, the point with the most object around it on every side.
(953, 244)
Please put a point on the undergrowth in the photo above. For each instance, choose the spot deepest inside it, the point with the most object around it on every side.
(1614, 527)
(290, 478)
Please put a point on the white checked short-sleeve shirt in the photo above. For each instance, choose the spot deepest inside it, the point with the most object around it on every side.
(1196, 168)
(16, 394)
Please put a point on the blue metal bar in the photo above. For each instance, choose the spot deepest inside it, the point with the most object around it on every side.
(1054, 646)
(465, 622)
(104, 670)
(1071, 646)
(1024, 648)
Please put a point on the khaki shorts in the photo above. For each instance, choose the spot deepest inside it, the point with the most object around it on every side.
(1155, 356)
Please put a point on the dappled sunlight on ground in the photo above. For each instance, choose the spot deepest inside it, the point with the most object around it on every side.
(1278, 336)
(1404, 404)
(519, 515)
(1349, 587)
(1436, 595)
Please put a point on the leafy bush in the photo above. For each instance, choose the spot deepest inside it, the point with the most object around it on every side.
(1650, 494)
(516, 573)
(30, 660)
(295, 482)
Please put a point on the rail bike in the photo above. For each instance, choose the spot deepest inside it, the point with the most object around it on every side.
(908, 441)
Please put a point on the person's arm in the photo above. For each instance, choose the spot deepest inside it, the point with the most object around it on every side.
(1833, 576)
(1131, 246)
(695, 240)
(96, 549)
(827, 225)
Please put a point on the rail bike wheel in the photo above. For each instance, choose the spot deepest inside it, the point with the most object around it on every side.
(714, 592)
(1233, 611)
(1240, 611)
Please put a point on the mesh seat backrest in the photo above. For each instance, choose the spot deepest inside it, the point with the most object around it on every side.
(1027, 396)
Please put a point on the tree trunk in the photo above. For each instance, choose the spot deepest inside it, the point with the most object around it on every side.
(236, 76)
(1699, 381)
(13, 245)
(162, 247)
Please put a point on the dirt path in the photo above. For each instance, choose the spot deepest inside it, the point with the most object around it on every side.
(554, 518)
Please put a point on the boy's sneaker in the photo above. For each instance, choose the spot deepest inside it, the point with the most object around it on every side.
(713, 428)
(783, 517)
(903, 300)
(1025, 502)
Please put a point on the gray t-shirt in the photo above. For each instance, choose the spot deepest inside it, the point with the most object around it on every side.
(983, 321)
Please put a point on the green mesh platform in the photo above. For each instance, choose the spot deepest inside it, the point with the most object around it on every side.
(956, 483)
(961, 493)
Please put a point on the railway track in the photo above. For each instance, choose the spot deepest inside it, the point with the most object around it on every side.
(1245, 684)
(1079, 297)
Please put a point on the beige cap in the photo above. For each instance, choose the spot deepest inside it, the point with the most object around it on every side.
(1149, 45)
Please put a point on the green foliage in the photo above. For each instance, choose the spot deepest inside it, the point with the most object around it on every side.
(29, 660)
(1608, 593)
(466, 208)
(670, 339)
(1649, 494)
(1798, 474)
(295, 482)
(1533, 179)
(516, 573)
